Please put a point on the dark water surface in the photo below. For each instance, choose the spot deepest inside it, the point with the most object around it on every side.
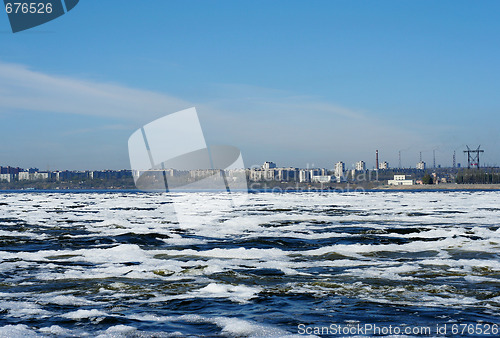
(122, 263)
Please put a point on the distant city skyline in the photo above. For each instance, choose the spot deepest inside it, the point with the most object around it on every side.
(358, 165)
(288, 81)
(368, 164)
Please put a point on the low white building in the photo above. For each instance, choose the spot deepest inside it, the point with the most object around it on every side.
(287, 174)
(305, 175)
(33, 176)
(40, 176)
(255, 174)
(400, 180)
(321, 178)
(6, 177)
(24, 176)
(269, 174)
(199, 174)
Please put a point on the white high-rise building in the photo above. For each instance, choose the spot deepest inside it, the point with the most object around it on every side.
(360, 166)
(421, 165)
(383, 165)
(269, 165)
(339, 169)
(304, 175)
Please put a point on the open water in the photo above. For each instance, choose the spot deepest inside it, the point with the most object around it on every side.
(119, 264)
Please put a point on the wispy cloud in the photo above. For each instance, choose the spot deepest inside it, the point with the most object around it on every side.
(106, 127)
(27, 90)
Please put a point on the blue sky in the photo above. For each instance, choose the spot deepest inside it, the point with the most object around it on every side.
(297, 82)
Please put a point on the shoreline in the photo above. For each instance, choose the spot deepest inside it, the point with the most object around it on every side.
(438, 187)
(341, 188)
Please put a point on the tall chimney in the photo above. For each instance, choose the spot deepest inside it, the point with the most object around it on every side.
(376, 159)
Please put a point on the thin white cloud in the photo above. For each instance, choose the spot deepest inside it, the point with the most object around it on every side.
(106, 127)
(22, 89)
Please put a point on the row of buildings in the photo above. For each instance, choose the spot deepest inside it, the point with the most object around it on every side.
(270, 172)
(361, 166)
(11, 174)
(267, 172)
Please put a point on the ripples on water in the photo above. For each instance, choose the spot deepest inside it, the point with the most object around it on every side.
(75, 264)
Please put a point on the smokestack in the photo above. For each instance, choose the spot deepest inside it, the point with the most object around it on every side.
(376, 159)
